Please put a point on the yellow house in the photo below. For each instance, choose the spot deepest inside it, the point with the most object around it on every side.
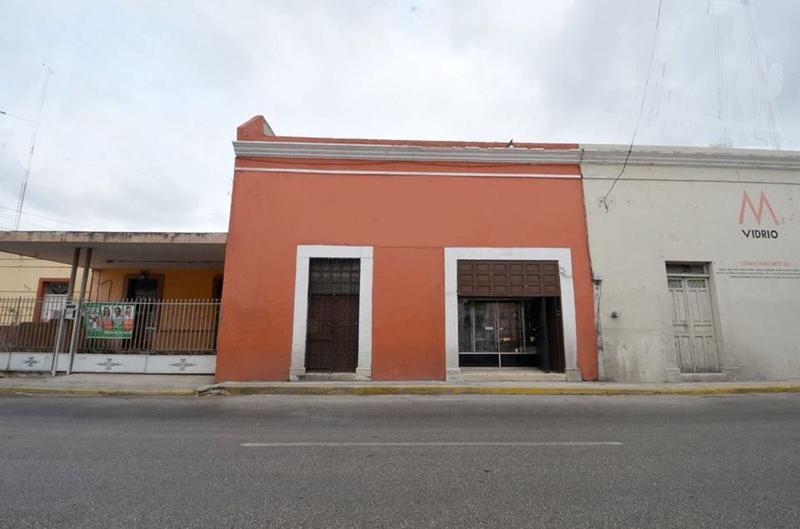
(30, 278)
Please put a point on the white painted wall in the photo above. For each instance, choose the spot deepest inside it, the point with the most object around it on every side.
(659, 214)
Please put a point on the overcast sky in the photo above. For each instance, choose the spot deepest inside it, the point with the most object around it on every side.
(145, 96)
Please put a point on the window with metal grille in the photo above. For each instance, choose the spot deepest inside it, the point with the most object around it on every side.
(333, 277)
(694, 269)
(675, 283)
(56, 287)
(54, 297)
(697, 283)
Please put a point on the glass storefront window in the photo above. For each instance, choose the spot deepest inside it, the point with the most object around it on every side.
(497, 326)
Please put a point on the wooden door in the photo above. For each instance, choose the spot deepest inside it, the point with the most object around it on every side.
(145, 290)
(555, 338)
(693, 329)
(332, 328)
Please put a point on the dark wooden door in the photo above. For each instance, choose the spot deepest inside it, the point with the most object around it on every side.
(332, 343)
(332, 329)
(555, 340)
(146, 291)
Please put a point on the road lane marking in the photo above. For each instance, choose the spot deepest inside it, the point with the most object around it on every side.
(431, 444)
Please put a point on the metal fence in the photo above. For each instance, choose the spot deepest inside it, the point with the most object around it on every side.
(177, 326)
(28, 324)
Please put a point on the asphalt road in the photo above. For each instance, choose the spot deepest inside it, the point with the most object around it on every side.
(400, 461)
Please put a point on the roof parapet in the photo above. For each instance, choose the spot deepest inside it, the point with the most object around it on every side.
(255, 128)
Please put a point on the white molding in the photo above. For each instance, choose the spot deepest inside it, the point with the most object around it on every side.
(402, 173)
(300, 318)
(402, 152)
(586, 154)
(568, 316)
(711, 157)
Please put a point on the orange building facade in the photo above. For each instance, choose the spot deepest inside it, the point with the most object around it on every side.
(393, 260)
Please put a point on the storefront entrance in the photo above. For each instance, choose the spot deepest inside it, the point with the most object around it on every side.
(510, 333)
(333, 299)
(509, 315)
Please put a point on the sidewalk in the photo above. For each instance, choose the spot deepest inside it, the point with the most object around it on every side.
(103, 384)
(188, 385)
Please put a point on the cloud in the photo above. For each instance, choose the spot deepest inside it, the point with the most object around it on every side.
(145, 96)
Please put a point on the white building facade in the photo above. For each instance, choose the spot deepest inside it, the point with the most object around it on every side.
(696, 262)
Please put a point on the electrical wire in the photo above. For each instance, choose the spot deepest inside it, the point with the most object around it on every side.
(41, 216)
(4, 113)
(604, 200)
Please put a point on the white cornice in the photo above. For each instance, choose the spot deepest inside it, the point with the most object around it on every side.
(586, 154)
(710, 157)
(353, 151)
(374, 172)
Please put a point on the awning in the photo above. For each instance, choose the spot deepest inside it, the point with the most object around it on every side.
(121, 249)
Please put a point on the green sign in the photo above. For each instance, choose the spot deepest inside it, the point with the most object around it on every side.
(109, 320)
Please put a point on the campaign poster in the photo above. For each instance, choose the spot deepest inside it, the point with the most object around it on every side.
(109, 320)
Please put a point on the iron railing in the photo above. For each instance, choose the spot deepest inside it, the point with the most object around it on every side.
(29, 324)
(184, 326)
(176, 326)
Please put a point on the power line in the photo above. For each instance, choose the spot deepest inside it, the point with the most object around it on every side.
(4, 113)
(41, 216)
(604, 200)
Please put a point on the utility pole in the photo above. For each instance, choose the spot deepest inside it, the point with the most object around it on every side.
(24, 188)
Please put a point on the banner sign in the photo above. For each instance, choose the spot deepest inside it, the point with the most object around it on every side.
(109, 320)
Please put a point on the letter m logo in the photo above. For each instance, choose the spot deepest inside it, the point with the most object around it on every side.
(758, 212)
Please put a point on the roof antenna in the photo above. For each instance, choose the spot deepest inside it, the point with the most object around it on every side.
(23, 189)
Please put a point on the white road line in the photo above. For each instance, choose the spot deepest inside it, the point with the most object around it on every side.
(432, 444)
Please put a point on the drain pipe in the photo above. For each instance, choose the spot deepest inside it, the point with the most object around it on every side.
(597, 279)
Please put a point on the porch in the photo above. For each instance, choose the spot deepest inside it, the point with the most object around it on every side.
(152, 304)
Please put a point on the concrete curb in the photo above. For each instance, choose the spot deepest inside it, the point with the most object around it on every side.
(97, 392)
(224, 389)
(327, 389)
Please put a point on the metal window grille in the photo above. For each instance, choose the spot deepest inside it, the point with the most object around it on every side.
(331, 277)
(56, 287)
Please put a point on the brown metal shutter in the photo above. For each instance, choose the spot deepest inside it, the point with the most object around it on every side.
(508, 279)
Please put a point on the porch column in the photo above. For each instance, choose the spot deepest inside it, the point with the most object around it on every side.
(76, 254)
(76, 323)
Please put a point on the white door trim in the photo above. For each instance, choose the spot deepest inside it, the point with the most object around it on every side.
(564, 258)
(304, 254)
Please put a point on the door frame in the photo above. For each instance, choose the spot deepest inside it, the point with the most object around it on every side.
(568, 316)
(305, 253)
